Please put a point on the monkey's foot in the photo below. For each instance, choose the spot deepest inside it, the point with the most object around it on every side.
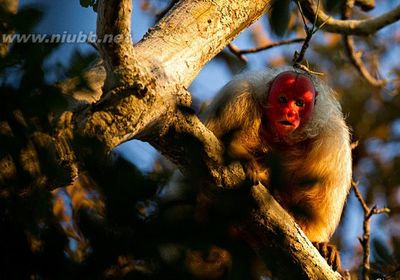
(329, 253)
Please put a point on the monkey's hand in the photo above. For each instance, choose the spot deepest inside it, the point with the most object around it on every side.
(256, 173)
(329, 253)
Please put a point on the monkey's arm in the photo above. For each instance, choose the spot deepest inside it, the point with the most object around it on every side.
(231, 108)
(235, 118)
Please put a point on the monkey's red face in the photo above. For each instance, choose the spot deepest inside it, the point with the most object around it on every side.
(290, 102)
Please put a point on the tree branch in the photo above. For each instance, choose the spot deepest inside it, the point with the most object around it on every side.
(114, 32)
(349, 27)
(189, 139)
(368, 213)
(355, 57)
(115, 45)
(197, 31)
(284, 242)
(240, 53)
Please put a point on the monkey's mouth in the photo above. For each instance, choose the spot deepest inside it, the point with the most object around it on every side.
(286, 123)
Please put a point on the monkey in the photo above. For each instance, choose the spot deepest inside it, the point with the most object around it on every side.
(294, 117)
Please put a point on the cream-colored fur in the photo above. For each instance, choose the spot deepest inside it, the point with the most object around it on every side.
(315, 160)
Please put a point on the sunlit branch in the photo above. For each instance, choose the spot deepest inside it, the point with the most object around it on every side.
(114, 40)
(349, 27)
(113, 19)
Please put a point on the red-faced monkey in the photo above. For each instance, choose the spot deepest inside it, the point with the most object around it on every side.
(297, 119)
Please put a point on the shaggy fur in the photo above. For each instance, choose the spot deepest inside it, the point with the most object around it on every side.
(314, 162)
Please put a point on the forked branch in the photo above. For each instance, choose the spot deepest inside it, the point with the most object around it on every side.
(240, 53)
(349, 27)
(365, 239)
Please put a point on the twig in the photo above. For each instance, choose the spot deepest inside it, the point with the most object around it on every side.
(272, 45)
(351, 27)
(299, 56)
(240, 53)
(354, 56)
(306, 69)
(354, 145)
(236, 51)
(364, 240)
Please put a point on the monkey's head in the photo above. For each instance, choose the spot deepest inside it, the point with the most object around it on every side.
(290, 102)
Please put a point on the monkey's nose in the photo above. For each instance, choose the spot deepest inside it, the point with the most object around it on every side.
(291, 114)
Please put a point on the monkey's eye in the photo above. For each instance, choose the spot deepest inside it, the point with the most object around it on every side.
(300, 102)
(282, 99)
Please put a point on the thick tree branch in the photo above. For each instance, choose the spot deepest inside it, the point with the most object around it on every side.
(115, 45)
(283, 241)
(114, 33)
(197, 152)
(349, 27)
(197, 31)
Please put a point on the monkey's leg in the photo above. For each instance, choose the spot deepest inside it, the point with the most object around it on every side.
(329, 253)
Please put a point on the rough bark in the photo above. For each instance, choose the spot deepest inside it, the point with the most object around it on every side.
(286, 250)
(349, 27)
